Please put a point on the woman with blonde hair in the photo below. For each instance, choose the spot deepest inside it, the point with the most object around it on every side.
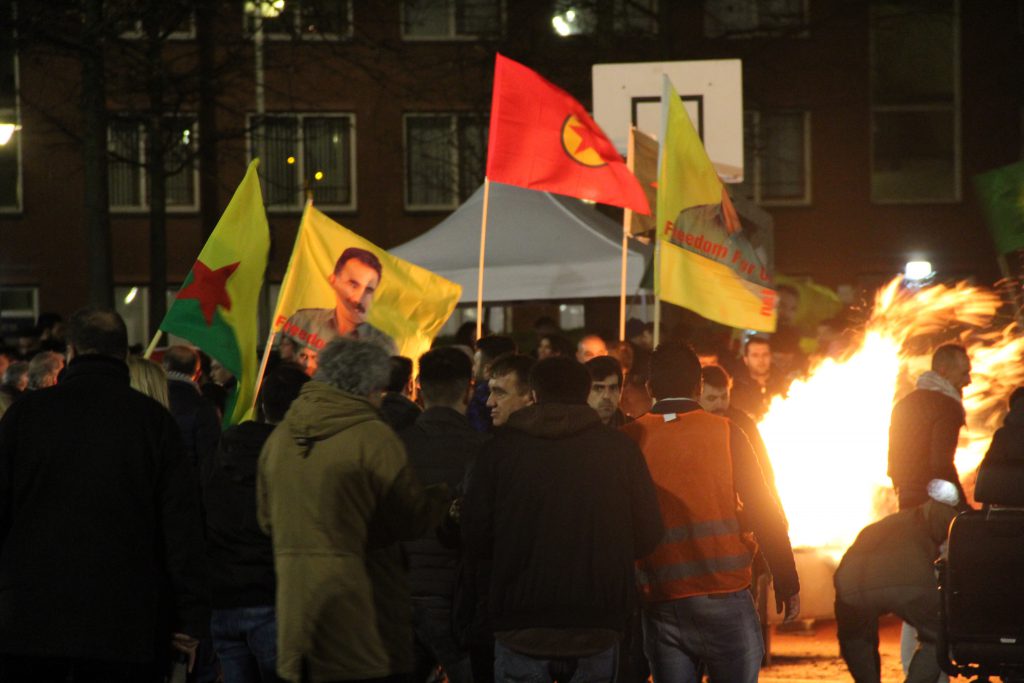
(148, 377)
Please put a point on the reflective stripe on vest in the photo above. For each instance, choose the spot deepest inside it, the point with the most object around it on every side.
(703, 550)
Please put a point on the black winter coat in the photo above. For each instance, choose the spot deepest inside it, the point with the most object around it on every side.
(441, 447)
(563, 505)
(240, 555)
(923, 436)
(198, 422)
(1008, 441)
(99, 522)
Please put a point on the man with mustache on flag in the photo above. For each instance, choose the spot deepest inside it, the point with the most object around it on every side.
(356, 276)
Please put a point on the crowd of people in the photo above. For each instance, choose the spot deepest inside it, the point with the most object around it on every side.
(587, 512)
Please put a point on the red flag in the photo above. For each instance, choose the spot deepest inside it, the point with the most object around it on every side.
(543, 139)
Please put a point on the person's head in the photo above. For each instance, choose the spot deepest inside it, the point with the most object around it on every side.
(43, 370)
(786, 349)
(591, 346)
(623, 352)
(559, 380)
(183, 360)
(16, 375)
(714, 393)
(953, 364)
(707, 353)
(218, 373)
(551, 345)
(400, 379)
(446, 378)
(546, 325)
(757, 356)
(605, 386)
(280, 387)
(97, 331)
(675, 372)
(640, 333)
(487, 350)
(789, 303)
(466, 334)
(288, 349)
(148, 377)
(354, 366)
(510, 386)
(356, 277)
(1016, 401)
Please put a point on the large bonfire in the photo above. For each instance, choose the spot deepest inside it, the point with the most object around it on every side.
(828, 438)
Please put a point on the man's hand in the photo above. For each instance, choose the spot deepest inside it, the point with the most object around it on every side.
(186, 644)
(792, 606)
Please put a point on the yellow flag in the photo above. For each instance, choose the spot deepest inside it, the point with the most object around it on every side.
(705, 262)
(371, 295)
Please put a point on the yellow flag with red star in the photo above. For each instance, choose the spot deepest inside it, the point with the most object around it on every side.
(216, 307)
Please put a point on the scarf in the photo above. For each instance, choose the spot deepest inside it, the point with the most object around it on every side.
(933, 381)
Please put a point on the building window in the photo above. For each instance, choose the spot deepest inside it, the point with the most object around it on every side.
(754, 18)
(308, 152)
(10, 150)
(776, 147)
(19, 310)
(915, 101)
(306, 19)
(628, 17)
(445, 156)
(451, 19)
(126, 147)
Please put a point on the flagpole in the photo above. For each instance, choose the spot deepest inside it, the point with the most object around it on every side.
(480, 272)
(152, 344)
(627, 220)
(263, 367)
(657, 291)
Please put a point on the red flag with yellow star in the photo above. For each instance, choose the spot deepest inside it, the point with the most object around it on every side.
(541, 138)
(216, 307)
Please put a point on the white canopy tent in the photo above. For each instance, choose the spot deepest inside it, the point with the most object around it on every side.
(539, 246)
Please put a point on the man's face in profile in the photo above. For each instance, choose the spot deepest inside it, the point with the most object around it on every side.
(354, 286)
(506, 397)
(308, 359)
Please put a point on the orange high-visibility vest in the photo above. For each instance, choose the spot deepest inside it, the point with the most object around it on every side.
(703, 550)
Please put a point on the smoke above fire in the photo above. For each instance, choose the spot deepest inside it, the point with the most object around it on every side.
(828, 438)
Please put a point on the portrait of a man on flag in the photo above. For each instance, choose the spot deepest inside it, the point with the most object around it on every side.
(355, 278)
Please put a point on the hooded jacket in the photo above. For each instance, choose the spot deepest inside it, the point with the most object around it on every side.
(563, 505)
(335, 492)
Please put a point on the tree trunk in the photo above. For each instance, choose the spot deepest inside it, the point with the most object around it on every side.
(209, 196)
(94, 157)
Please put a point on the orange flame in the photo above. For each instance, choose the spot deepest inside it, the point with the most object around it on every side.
(828, 438)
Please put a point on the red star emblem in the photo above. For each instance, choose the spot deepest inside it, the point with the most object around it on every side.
(586, 139)
(208, 287)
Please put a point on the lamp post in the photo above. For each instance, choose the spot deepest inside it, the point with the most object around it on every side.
(260, 10)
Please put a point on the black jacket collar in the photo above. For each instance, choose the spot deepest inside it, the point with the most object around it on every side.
(675, 405)
(94, 365)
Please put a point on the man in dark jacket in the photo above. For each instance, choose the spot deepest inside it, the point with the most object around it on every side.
(488, 349)
(99, 519)
(397, 407)
(240, 555)
(441, 446)
(1008, 441)
(196, 415)
(925, 428)
(888, 569)
(564, 505)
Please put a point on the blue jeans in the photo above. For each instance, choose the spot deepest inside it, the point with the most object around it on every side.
(721, 632)
(246, 642)
(513, 667)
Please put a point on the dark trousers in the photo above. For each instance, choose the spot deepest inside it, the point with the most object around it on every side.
(19, 669)
(857, 621)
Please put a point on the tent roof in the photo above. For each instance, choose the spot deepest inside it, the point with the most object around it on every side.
(539, 246)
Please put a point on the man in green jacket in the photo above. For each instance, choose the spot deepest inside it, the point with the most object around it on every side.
(335, 492)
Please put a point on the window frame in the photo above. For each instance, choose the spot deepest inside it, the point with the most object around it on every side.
(754, 165)
(759, 32)
(21, 313)
(453, 34)
(954, 107)
(144, 204)
(15, 113)
(454, 117)
(249, 27)
(300, 159)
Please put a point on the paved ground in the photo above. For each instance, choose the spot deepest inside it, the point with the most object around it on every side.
(813, 655)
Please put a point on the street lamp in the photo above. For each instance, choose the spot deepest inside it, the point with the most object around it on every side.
(7, 131)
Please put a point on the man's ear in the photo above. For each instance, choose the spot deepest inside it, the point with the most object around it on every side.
(533, 396)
